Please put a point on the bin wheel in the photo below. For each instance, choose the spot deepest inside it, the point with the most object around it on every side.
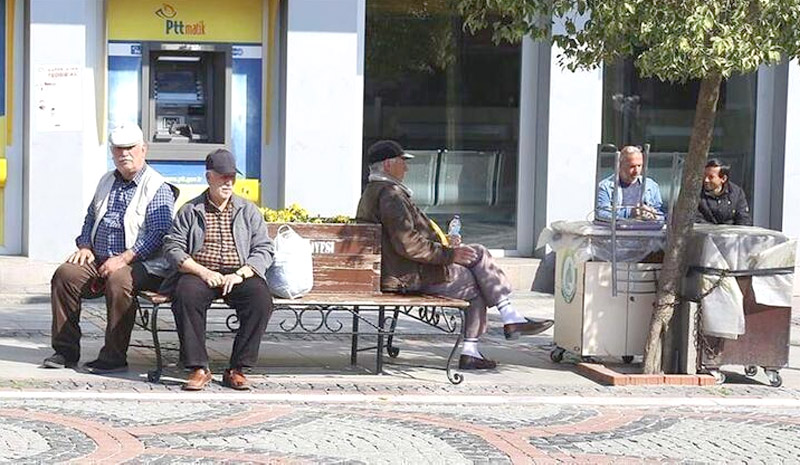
(719, 377)
(153, 376)
(751, 370)
(774, 378)
(627, 359)
(557, 355)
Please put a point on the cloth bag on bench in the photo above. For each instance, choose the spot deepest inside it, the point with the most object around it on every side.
(292, 272)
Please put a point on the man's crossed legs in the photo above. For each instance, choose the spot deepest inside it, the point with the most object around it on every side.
(483, 284)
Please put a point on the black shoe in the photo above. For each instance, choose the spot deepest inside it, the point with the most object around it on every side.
(529, 328)
(102, 366)
(468, 362)
(59, 361)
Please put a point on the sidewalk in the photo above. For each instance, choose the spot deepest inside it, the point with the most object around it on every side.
(306, 365)
(309, 406)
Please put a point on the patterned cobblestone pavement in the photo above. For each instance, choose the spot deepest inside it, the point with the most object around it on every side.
(207, 431)
(310, 406)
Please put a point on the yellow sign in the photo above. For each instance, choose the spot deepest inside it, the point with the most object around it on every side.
(3, 172)
(249, 189)
(3, 176)
(237, 21)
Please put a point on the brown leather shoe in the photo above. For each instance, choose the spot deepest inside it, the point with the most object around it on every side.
(198, 379)
(528, 328)
(468, 362)
(235, 379)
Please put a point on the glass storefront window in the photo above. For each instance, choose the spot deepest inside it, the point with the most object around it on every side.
(649, 111)
(451, 98)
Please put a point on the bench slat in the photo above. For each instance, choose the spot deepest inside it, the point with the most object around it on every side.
(384, 299)
(347, 257)
(345, 238)
(355, 299)
(344, 281)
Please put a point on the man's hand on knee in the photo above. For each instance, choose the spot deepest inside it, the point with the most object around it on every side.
(115, 263)
(213, 278)
(230, 280)
(464, 255)
(81, 257)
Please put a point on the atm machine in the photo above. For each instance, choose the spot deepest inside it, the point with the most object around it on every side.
(185, 99)
(191, 94)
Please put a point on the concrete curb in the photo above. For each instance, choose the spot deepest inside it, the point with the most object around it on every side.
(410, 399)
(24, 298)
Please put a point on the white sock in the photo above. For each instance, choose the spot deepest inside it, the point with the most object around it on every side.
(508, 313)
(471, 348)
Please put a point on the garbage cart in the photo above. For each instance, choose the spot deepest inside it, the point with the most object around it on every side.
(740, 281)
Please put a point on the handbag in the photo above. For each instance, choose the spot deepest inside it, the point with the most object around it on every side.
(292, 272)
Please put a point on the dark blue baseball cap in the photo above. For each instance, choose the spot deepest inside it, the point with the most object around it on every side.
(221, 161)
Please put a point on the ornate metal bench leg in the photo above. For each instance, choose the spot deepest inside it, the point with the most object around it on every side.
(354, 339)
(379, 349)
(142, 318)
(390, 348)
(454, 376)
(155, 375)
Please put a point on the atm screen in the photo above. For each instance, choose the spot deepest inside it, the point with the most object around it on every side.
(179, 82)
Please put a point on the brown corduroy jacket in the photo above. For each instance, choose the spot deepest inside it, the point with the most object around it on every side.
(411, 254)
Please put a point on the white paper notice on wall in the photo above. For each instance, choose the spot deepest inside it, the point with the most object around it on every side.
(58, 98)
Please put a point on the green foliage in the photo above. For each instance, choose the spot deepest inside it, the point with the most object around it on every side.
(674, 40)
(409, 35)
(297, 214)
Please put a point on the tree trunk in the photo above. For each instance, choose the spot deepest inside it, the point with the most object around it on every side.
(681, 220)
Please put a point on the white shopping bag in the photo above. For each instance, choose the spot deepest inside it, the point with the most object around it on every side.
(292, 272)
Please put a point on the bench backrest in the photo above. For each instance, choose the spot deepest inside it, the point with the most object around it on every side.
(347, 257)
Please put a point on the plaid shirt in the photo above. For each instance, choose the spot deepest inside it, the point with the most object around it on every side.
(219, 250)
(110, 235)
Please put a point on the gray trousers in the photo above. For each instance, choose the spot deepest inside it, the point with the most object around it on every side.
(483, 284)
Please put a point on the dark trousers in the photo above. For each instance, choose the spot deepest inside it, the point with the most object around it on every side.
(73, 282)
(190, 301)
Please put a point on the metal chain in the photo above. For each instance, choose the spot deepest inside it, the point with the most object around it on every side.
(712, 350)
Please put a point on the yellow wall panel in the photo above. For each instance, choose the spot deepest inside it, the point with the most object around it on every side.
(247, 188)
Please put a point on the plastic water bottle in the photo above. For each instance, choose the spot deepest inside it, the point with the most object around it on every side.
(454, 228)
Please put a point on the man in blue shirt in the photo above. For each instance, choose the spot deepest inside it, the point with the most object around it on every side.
(629, 191)
(118, 254)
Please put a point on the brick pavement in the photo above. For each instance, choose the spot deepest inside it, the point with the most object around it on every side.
(309, 406)
(187, 431)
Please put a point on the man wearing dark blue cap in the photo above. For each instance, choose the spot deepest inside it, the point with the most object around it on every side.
(220, 247)
(416, 257)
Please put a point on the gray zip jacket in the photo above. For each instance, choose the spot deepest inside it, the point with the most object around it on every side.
(187, 237)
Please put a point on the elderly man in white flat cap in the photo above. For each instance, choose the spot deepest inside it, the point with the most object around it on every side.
(118, 253)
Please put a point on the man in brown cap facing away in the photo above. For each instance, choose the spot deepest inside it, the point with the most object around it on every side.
(220, 247)
(415, 259)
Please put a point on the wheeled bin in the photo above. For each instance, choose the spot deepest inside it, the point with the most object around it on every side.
(740, 280)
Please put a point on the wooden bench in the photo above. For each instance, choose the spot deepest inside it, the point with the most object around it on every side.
(347, 264)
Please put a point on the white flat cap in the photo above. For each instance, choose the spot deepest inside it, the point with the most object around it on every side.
(126, 135)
